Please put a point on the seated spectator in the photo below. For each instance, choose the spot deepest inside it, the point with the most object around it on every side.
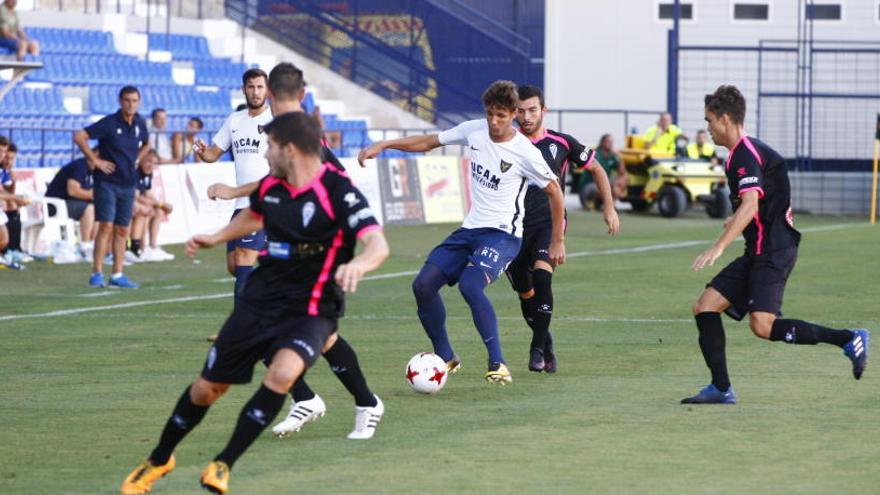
(12, 36)
(614, 167)
(182, 142)
(702, 149)
(13, 225)
(74, 184)
(660, 138)
(148, 214)
(5, 261)
(160, 139)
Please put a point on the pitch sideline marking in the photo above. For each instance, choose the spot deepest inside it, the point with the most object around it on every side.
(635, 249)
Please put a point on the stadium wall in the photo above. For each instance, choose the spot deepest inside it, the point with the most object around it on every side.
(612, 54)
(425, 189)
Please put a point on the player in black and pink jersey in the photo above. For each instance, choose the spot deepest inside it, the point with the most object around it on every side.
(531, 273)
(753, 283)
(288, 314)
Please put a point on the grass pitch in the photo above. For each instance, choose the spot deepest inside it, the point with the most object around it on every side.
(86, 391)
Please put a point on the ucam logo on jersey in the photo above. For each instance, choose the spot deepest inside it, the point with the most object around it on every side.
(505, 166)
(484, 178)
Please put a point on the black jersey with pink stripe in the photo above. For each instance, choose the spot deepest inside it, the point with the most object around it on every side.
(754, 166)
(558, 150)
(310, 231)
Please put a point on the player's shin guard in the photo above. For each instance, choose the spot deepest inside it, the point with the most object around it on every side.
(806, 333)
(432, 312)
(526, 306)
(254, 418)
(184, 418)
(472, 283)
(344, 363)
(242, 272)
(543, 307)
(712, 345)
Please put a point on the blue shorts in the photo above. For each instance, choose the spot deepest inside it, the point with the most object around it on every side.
(254, 240)
(10, 44)
(489, 249)
(113, 203)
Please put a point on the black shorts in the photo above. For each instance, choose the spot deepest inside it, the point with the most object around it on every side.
(535, 247)
(248, 337)
(755, 283)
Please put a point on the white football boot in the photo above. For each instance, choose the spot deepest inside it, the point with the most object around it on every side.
(366, 420)
(300, 413)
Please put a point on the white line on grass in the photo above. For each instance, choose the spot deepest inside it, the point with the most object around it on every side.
(635, 249)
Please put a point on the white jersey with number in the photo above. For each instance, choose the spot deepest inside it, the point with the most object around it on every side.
(500, 174)
(244, 135)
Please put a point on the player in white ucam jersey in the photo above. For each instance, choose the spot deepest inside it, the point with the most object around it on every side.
(503, 162)
(242, 132)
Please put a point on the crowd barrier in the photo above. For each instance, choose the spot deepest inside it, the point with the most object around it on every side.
(426, 189)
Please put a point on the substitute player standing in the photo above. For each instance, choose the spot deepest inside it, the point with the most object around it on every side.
(531, 273)
(313, 217)
(243, 133)
(503, 162)
(754, 282)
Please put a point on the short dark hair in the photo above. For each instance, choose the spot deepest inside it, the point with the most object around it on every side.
(4, 141)
(527, 91)
(297, 128)
(702, 131)
(253, 74)
(501, 94)
(197, 121)
(286, 81)
(12, 148)
(727, 100)
(128, 90)
(155, 111)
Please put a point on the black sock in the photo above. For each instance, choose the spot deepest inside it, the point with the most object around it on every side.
(135, 246)
(13, 226)
(254, 418)
(806, 333)
(301, 390)
(184, 418)
(712, 344)
(526, 307)
(543, 307)
(344, 363)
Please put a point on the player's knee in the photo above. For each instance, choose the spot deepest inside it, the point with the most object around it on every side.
(205, 393)
(421, 288)
(761, 324)
(331, 341)
(286, 367)
(527, 295)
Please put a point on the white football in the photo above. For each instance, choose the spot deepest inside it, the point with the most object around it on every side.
(426, 373)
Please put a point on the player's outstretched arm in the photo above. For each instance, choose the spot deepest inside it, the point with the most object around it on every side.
(413, 144)
(733, 228)
(375, 252)
(557, 212)
(240, 226)
(604, 186)
(223, 191)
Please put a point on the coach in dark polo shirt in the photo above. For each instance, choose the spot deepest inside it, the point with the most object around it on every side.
(122, 140)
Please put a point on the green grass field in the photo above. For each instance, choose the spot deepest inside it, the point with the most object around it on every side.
(85, 394)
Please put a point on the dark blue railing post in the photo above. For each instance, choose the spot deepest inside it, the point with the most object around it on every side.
(672, 63)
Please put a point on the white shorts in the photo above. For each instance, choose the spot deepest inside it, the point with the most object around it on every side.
(3, 218)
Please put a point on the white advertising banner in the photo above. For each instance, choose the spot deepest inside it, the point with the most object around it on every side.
(366, 179)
